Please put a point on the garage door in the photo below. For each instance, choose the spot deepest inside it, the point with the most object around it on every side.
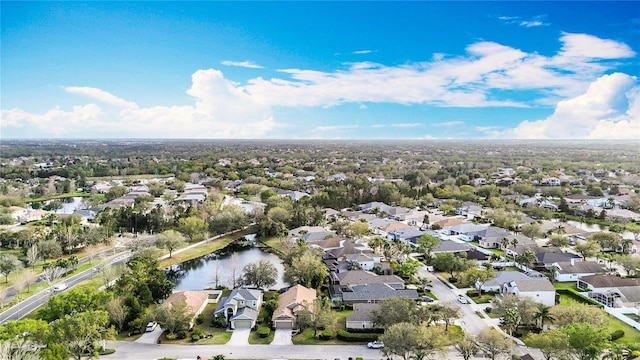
(283, 325)
(242, 324)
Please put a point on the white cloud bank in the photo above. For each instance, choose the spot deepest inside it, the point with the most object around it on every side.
(489, 74)
(610, 109)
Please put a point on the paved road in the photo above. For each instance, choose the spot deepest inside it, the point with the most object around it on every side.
(470, 321)
(28, 305)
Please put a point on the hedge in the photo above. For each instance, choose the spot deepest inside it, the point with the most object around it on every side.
(264, 331)
(351, 337)
(325, 335)
(616, 335)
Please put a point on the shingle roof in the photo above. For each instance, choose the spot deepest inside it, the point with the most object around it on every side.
(377, 292)
(606, 281)
(451, 246)
(580, 267)
(193, 299)
(506, 276)
(363, 312)
(356, 277)
(535, 284)
(291, 298)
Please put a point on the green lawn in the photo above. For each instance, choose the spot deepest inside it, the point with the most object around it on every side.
(58, 196)
(274, 242)
(631, 335)
(565, 285)
(306, 337)
(497, 252)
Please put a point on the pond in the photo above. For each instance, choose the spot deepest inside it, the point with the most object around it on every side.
(200, 273)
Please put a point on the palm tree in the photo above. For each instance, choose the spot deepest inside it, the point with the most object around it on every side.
(511, 320)
(543, 315)
(505, 243)
(626, 245)
(526, 258)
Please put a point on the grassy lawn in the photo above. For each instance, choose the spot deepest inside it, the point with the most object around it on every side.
(306, 337)
(565, 285)
(255, 339)
(130, 177)
(481, 299)
(497, 252)
(273, 242)
(58, 196)
(631, 335)
(204, 249)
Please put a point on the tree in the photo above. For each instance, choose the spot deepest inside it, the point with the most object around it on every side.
(173, 317)
(80, 332)
(19, 349)
(558, 241)
(606, 240)
(49, 249)
(467, 347)
(8, 264)
(492, 343)
(191, 227)
(477, 276)
(396, 310)
(542, 315)
(319, 316)
(553, 343)
(525, 307)
(29, 329)
(526, 258)
(401, 339)
(26, 278)
(357, 229)
(427, 243)
(170, 240)
(78, 299)
(450, 263)
(531, 230)
(32, 255)
(443, 312)
(511, 320)
(307, 270)
(261, 274)
(51, 273)
(587, 249)
(630, 264)
(118, 311)
(578, 313)
(586, 341)
(234, 262)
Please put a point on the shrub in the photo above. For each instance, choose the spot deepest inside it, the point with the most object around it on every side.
(453, 280)
(351, 337)
(200, 319)
(264, 331)
(195, 337)
(171, 336)
(219, 321)
(616, 335)
(487, 310)
(325, 335)
(473, 293)
(198, 332)
(182, 334)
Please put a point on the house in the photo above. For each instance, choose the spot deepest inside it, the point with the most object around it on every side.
(196, 301)
(33, 215)
(17, 211)
(362, 317)
(412, 217)
(470, 210)
(501, 277)
(492, 237)
(574, 269)
(541, 290)
(550, 181)
(409, 236)
(341, 282)
(290, 303)
(479, 182)
(452, 247)
(465, 231)
(363, 261)
(611, 290)
(241, 308)
(375, 293)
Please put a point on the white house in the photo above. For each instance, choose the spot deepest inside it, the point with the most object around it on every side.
(573, 270)
(241, 308)
(540, 290)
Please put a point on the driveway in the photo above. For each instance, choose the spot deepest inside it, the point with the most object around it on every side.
(239, 337)
(282, 337)
(150, 337)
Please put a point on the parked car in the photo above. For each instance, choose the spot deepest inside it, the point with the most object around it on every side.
(151, 326)
(60, 287)
(462, 299)
(375, 345)
(427, 298)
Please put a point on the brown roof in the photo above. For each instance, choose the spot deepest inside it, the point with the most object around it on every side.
(193, 299)
(606, 281)
(450, 222)
(580, 267)
(363, 312)
(395, 226)
(292, 300)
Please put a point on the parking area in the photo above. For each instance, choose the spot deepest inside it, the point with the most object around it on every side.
(282, 337)
(239, 337)
(150, 337)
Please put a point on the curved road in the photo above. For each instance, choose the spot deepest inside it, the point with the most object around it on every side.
(31, 303)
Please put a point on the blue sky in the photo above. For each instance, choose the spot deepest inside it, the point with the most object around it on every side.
(320, 70)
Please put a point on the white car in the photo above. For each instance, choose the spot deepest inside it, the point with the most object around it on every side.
(462, 299)
(60, 287)
(151, 326)
(375, 345)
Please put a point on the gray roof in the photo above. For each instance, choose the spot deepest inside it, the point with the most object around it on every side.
(467, 229)
(607, 281)
(631, 293)
(550, 258)
(535, 284)
(580, 267)
(451, 246)
(363, 312)
(376, 292)
(506, 276)
(357, 277)
(246, 313)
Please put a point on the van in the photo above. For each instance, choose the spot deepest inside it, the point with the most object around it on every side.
(151, 326)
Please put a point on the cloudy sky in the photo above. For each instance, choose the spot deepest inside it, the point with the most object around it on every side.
(320, 70)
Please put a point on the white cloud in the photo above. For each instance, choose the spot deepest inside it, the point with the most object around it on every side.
(532, 23)
(221, 110)
(246, 64)
(362, 52)
(398, 125)
(100, 95)
(448, 123)
(589, 46)
(609, 109)
(334, 128)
